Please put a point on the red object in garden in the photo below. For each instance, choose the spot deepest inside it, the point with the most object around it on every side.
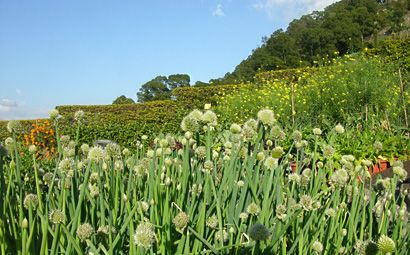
(379, 167)
(293, 166)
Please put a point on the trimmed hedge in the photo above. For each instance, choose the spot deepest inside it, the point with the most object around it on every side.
(124, 123)
(196, 97)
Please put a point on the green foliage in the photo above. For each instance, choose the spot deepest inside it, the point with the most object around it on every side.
(196, 97)
(220, 193)
(155, 89)
(343, 27)
(178, 80)
(160, 87)
(124, 124)
(123, 100)
(395, 51)
(361, 87)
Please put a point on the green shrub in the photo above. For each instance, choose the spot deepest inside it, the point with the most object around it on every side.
(125, 123)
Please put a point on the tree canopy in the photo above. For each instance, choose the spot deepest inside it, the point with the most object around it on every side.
(160, 87)
(123, 100)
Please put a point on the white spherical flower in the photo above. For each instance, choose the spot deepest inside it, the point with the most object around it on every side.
(297, 136)
(144, 206)
(260, 156)
(85, 231)
(306, 202)
(328, 151)
(367, 162)
(349, 158)
(222, 235)
(330, 212)
(56, 216)
(252, 123)
(339, 178)
(209, 117)
(181, 220)
(32, 149)
(189, 124)
(243, 216)
(30, 200)
(248, 133)
(277, 152)
(317, 247)
(267, 117)
(94, 190)
(212, 221)
(317, 131)
(294, 177)
(339, 129)
(235, 129)
(207, 106)
(85, 148)
(196, 114)
(215, 154)
(400, 172)
(79, 115)
(53, 114)
(96, 154)
(208, 166)
(13, 126)
(150, 154)
(253, 209)
(8, 142)
(271, 163)
(65, 165)
(201, 152)
(386, 244)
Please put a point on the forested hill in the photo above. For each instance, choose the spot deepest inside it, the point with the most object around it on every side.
(343, 27)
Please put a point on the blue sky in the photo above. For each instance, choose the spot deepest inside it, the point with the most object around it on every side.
(91, 51)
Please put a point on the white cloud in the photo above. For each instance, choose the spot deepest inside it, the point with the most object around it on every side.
(12, 110)
(286, 10)
(218, 12)
(8, 103)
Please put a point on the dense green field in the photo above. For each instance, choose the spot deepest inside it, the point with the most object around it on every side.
(210, 190)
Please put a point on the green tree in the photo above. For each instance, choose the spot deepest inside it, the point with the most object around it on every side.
(160, 87)
(155, 89)
(178, 80)
(123, 100)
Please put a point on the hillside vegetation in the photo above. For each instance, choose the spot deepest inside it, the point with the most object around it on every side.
(346, 26)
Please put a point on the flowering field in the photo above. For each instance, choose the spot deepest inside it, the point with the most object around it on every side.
(349, 87)
(254, 188)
